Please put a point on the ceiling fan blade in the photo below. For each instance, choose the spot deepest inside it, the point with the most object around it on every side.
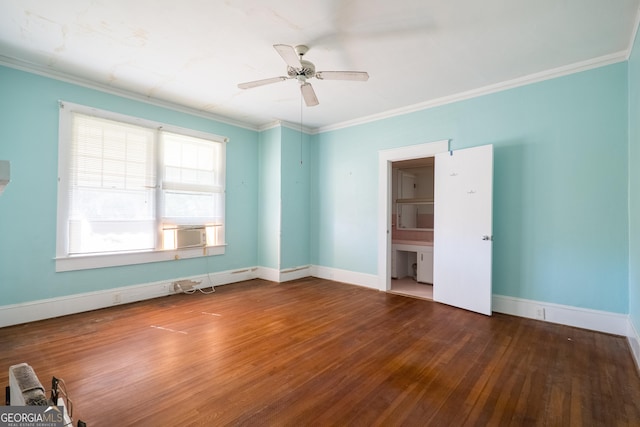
(288, 53)
(343, 75)
(249, 85)
(308, 94)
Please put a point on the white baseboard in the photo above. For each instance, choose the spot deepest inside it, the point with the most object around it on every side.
(274, 275)
(228, 277)
(15, 314)
(295, 273)
(634, 343)
(270, 274)
(345, 276)
(595, 320)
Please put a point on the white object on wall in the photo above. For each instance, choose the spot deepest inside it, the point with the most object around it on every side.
(5, 172)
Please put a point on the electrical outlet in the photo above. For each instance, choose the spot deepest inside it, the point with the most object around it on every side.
(540, 313)
(117, 298)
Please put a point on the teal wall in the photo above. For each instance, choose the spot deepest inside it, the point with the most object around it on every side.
(29, 139)
(560, 186)
(634, 185)
(562, 189)
(269, 198)
(283, 220)
(295, 240)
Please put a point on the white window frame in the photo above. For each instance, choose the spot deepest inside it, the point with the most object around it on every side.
(66, 262)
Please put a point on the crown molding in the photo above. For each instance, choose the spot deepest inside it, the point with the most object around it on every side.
(486, 90)
(289, 125)
(68, 78)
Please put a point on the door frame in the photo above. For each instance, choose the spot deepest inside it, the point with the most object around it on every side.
(385, 158)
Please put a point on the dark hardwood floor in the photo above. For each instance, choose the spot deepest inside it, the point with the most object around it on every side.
(315, 352)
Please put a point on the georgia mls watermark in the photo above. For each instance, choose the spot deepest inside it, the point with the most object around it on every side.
(31, 416)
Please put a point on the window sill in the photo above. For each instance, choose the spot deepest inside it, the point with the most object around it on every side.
(86, 262)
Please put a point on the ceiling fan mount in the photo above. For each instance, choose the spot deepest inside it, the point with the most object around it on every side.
(301, 49)
(301, 70)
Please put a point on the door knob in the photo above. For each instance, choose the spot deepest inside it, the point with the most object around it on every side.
(485, 237)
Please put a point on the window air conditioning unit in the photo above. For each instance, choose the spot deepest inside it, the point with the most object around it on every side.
(190, 237)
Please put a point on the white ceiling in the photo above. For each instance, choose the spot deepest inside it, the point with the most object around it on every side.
(194, 52)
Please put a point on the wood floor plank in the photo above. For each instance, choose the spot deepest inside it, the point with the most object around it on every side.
(316, 352)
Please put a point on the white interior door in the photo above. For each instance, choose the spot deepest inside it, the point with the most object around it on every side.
(462, 244)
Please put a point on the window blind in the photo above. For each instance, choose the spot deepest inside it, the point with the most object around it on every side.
(112, 186)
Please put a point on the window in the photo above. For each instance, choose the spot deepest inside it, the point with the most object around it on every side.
(192, 186)
(131, 190)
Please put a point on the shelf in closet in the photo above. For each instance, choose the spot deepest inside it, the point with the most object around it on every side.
(414, 201)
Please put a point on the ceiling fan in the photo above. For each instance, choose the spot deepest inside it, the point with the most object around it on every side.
(301, 70)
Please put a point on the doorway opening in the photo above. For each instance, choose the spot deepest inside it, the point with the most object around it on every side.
(386, 158)
(412, 220)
